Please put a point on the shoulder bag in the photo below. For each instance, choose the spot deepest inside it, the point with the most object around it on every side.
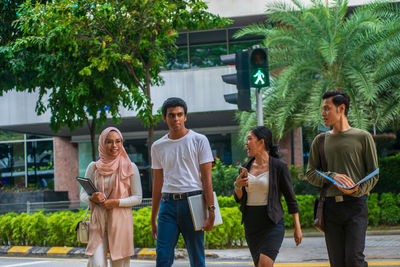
(82, 229)
(319, 202)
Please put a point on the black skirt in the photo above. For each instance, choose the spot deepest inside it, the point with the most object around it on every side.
(262, 234)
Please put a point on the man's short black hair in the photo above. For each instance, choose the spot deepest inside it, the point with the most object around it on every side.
(338, 99)
(173, 102)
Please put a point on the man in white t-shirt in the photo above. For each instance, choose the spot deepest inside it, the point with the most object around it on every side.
(181, 163)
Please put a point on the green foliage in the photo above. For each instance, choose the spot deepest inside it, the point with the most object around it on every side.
(18, 236)
(306, 214)
(383, 142)
(15, 71)
(58, 228)
(323, 47)
(95, 56)
(227, 202)
(374, 210)
(389, 173)
(142, 228)
(300, 185)
(223, 177)
(61, 228)
(35, 228)
(6, 228)
(230, 233)
(390, 206)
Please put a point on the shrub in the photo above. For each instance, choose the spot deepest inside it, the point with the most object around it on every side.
(228, 234)
(6, 228)
(390, 210)
(58, 228)
(143, 237)
(374, 211)
(300, 185)
(389, 175)
(61, 228)
(223, 177)
(225, 202)
(18, 233)
(35, 229)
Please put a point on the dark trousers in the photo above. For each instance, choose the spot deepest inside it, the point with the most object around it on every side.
(345, 228)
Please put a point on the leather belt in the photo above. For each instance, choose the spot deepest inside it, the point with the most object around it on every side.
(342, 198)
(179, 196)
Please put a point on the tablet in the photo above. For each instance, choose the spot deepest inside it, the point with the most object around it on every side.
(88, 185)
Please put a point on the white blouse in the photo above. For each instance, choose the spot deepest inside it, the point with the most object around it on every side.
(257, 189)
(136, 187)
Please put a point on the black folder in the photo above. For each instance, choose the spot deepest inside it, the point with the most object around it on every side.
(88, 185)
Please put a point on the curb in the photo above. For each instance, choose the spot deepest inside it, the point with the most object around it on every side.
(369, 233)
(140, 253)
(79, 252)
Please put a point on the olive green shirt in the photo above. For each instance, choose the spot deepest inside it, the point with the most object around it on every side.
(352, 153)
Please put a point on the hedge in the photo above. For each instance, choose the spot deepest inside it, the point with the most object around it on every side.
(58, 228)
(389, 174)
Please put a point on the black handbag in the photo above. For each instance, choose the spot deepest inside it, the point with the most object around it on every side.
(319, 202)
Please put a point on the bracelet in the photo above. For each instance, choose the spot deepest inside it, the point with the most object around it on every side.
(237, 187)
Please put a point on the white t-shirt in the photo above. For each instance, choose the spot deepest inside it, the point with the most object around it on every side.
(257, 189)
(180, 161)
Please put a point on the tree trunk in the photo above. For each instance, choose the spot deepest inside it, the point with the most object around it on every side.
(150, 136)
(92, 129)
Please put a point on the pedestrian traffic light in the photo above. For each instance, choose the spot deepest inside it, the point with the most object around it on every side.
(259, 73)
(241, 79)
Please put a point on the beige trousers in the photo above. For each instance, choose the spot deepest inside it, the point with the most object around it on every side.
(99, 258)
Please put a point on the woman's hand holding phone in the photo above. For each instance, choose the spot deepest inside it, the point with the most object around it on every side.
(242, 179)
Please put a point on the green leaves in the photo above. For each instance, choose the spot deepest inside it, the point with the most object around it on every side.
(319, 48)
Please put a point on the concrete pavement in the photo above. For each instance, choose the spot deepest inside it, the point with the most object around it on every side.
(379, 245)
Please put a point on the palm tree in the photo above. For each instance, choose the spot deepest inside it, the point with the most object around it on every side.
(315, 49)
(384, 49)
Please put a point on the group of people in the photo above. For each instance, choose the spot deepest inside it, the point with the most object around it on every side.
(182, 162)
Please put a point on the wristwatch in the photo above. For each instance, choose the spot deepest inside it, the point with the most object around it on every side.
(211, 208)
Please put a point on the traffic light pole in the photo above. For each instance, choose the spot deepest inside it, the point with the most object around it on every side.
(259, 108)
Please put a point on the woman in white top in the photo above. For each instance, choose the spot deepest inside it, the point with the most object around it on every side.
(111, 223)
(258, 189)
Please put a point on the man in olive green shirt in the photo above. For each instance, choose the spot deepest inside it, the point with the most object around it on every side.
(350, 156)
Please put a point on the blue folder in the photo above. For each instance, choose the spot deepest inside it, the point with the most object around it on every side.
(369, 176)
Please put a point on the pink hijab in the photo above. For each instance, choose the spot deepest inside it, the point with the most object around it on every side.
(117, 223)
(120, 165)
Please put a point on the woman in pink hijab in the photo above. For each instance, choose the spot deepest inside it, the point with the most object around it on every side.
(111, 224)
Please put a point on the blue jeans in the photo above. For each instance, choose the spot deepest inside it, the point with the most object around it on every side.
(174, 218)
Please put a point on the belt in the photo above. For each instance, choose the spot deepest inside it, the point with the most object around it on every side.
(179, 196)
(343, 198)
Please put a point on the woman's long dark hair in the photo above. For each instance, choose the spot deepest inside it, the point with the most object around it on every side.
(262, 132)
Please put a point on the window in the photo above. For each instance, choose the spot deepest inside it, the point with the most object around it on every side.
(26, 163)
(202, 56)
(40, 164)
(12, 164)
(137, 152)
(204, 48)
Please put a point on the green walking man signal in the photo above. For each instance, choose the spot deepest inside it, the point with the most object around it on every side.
(259, 78)
(251, 71)
(258, 64)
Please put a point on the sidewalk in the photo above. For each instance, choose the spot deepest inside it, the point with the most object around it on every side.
(379, 245)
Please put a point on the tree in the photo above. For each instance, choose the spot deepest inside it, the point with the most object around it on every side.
(384, 49)
(127, 40)
(15, 73)
(315, 49)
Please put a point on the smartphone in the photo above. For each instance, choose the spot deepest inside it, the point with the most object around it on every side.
(242, 169)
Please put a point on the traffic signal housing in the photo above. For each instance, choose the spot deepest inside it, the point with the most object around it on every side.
(241, 79)
(258, 63)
